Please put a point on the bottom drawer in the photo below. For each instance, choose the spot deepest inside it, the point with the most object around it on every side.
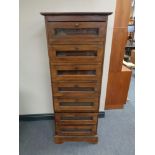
(76, 118)
(75, 130)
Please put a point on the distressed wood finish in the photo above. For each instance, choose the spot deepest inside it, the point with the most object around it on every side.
(78, 54)
(76, 118)
(76, 89)
(62, 139)
(75, 31)
(75, 72)
(80, 104)
(76, 130)
(76, 16)
(76, 43)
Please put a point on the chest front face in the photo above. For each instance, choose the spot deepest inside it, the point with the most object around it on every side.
(76, 44)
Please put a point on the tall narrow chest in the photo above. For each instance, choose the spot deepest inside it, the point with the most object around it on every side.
(76, 43)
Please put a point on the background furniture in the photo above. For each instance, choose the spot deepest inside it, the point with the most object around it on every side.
(119, 76)
(117, 90)
(129, 56)
(132, 58)
(128, 49)
(76, 44)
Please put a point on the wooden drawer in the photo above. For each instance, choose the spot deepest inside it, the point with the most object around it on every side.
(76, 89)
(76, 104)
(76, 130)
(76, 53)
(76, 118)
(75, 31)
(76, 72)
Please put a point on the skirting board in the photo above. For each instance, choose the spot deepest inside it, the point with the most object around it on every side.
(38, 117)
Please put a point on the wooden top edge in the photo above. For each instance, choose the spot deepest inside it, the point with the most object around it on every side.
(75, 13)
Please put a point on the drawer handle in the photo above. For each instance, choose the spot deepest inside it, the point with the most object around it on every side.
(77, 25)
(76, 85)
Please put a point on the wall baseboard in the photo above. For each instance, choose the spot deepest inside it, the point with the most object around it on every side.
(101, 114)
(38, 117)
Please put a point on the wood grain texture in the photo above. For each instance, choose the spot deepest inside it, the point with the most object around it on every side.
(76, 31)
(120, 34)
(76, 118)
(76, 104)
(76, 43)
(76, 130)
(119, 78)
(122, 13)
(76, 72)
(117, 88)
(76, 16)
(62, 139)
(75, 13)
(118, 49)
(76, 89)
(86, 54)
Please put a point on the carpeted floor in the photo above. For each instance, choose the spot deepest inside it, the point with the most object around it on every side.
(116, 134)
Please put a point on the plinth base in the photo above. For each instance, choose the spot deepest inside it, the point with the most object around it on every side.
(62, 139)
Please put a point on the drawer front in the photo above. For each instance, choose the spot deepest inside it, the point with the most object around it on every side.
(76, 31)
(76, 53)
(76, 89)
(76, 118)
(76, 130)
(76, 72)
(76, 105)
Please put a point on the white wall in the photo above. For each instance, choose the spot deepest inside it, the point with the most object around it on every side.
(35, 90)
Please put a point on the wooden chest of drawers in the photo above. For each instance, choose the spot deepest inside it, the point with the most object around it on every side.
(76, 44)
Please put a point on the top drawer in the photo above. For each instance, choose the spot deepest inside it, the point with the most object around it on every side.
(75, 31)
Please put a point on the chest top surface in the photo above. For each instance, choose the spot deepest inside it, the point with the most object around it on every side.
(76, 16)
